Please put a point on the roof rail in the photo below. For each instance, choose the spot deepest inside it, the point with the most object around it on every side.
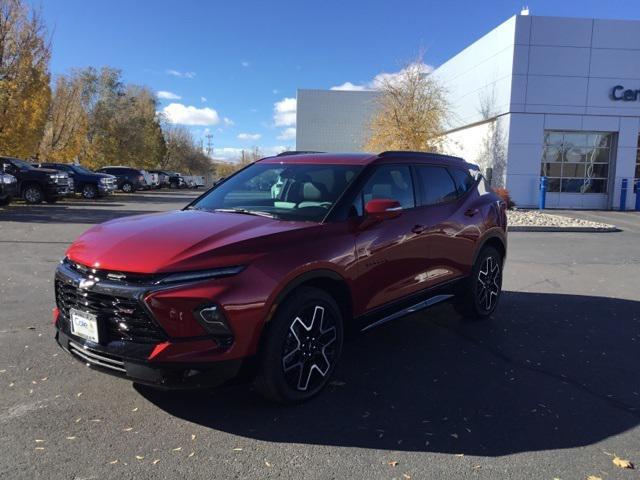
(296, 152)
(408, 153)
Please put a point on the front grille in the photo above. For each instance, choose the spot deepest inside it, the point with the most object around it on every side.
(120, 318)
(62, 181)
(96, 358)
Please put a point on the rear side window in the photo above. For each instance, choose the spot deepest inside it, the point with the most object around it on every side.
(436, 185)
(462, 179)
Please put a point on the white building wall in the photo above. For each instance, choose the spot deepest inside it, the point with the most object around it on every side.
(332, 120)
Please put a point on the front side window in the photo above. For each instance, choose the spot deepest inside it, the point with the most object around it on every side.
(463, 180)
(392, 182)
(287, 192)
(436, 185)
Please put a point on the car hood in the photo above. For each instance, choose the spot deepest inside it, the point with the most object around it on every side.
(183, 240)
(47, 171)
(103, 175)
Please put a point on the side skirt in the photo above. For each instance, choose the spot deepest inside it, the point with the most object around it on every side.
(407, 305)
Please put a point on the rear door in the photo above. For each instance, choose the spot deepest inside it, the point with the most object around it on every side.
(446, 206)
(390, 254)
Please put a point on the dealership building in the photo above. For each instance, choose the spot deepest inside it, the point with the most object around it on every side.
(536, 96)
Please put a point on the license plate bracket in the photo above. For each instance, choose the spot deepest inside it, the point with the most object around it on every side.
(84, 325)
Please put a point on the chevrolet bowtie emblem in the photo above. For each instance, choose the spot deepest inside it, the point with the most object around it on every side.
(85, 284)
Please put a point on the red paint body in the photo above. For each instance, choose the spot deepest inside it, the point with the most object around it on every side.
(377, 261)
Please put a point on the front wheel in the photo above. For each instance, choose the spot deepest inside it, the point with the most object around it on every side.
(301, 347)
(33, 194)
(89, 191)
(127, 187)
(481, 292)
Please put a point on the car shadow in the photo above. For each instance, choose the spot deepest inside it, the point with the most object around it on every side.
(67, 214)
(548, 371)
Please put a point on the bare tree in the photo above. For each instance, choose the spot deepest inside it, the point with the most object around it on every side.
(411, 111)
(493, 151)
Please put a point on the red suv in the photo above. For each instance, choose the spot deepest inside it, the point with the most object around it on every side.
(266, 272)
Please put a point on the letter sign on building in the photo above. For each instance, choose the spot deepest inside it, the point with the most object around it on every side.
(619, 93)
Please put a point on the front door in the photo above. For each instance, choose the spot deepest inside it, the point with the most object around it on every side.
(391, 254)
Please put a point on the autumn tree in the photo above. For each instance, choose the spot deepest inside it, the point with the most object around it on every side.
(183, 153)
(65, 132)
(410, 111)
(24, 78)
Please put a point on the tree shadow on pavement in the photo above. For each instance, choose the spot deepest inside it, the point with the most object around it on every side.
(549, 371)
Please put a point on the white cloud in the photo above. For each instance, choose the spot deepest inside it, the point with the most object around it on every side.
(228, 122)
(249, 136)
(284, 112)
(288, 134)
(179, 74)
(382, 78)
(190, 115)
(245, 64)
(233, 153)
(203, 99)
(350, 86)
(168, 95)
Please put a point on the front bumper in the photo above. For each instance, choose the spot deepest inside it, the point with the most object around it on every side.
(8, 190)
(165, 375)
(53, 190)
(132, 344)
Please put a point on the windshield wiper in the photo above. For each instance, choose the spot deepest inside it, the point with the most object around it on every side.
(245, 212)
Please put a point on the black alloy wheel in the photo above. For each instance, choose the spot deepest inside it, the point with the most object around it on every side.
(301, 346)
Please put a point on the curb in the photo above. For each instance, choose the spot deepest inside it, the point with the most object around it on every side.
(535, 228)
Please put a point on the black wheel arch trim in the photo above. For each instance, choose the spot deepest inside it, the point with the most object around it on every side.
(306, 277)
(491, 236)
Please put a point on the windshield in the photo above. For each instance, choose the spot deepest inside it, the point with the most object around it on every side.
(79, 169)
(287, 192)
(21, 164)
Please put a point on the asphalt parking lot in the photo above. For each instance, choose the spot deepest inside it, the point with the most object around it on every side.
(548, 388)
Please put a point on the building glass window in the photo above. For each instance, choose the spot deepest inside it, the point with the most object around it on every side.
(637, 174)
(577, 162)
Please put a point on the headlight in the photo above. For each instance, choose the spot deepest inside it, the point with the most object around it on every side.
(104, 181)
(7, 179)
(197, 276)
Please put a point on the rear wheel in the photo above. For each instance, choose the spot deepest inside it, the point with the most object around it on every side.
(302, 346)
(89, 191)
(33, 194)
(481, 292)
(127, 187)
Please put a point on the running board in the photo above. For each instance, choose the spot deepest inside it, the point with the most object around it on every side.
(412, 309)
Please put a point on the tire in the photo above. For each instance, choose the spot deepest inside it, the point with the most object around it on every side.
(301, 347)
(127, 187)
(89, 191)
(33, 194)
(481, 292)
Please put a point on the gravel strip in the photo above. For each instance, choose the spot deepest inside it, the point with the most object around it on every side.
(534, 220)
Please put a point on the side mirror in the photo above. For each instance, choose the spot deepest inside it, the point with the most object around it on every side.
(383, 208)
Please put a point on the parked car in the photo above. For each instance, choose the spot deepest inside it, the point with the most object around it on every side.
(163, 178)
(8, 188)
(37, 184)
(176, 180)
(152, 180)
(127, 179)
(90, 184)
(244, 279)
(194, 181)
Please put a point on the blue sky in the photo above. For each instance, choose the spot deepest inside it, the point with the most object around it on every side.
(235, 65)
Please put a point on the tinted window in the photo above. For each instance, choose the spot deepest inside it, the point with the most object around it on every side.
(288, 192)
(462, 179)
(436, 185)
(388, 181)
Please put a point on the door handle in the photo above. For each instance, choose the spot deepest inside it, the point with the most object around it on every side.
(418, 229)
(471, 212)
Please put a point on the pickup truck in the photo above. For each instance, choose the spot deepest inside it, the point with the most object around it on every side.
(8, 188)
(90, 184)
(37, 184)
